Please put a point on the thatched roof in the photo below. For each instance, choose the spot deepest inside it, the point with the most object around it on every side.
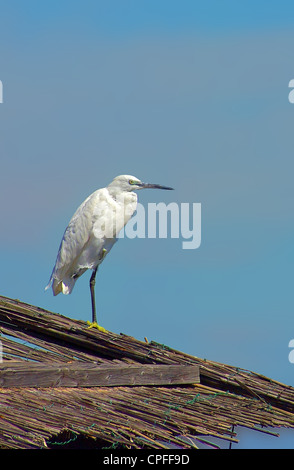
(116, 415)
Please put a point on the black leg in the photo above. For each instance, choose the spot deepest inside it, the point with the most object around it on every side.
(92, 289)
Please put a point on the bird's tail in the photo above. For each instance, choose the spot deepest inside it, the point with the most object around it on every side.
(65, 286)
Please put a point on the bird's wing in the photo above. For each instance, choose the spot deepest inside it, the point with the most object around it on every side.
(75, 238)
(112, 214)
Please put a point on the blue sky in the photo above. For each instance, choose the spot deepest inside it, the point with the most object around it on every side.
(189, 94)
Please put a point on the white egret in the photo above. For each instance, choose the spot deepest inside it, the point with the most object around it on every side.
(92, 232)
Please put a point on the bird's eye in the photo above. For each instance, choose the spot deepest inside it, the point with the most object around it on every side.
(131, 182)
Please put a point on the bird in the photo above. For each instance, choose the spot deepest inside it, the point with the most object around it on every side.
(92, 232)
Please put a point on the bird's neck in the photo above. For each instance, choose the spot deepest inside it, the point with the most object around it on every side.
(123, 197)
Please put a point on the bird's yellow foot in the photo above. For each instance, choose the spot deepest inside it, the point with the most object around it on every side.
(95, 325)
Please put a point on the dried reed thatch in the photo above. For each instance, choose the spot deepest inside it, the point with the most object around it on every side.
(158, 413)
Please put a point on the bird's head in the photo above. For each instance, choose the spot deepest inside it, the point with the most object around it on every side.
(129, 183)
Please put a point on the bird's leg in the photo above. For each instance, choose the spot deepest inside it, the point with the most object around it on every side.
(94, 323)
(92, 289)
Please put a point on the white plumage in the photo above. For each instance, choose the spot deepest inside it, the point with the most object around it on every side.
(92, 232)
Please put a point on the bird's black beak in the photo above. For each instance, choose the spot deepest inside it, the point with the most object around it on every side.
(154, 186)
